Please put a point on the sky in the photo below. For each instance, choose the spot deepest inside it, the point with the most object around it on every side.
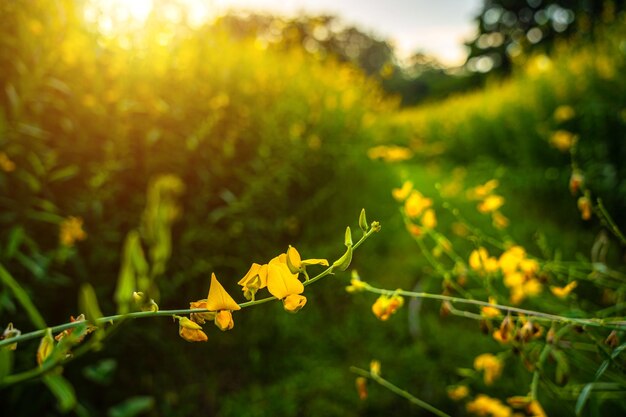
(435, 27)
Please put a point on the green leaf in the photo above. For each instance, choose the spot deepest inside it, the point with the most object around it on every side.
(603, 367)
(127, 278)
(88, 303)
(63, 173)
(23, 298)
(62, 390)
(101, 372)
(585, 393)
(15, 239)
(132, 407)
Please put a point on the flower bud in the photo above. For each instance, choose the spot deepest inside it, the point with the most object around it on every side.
(348, 237)
(46, 346)
(10, 332)
(363, 221)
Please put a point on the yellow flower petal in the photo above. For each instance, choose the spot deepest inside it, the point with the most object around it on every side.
(293, 259)
(281, 282)
(563, 292)
(400, 194)
(314, 261)
(218, 298)
(294, 302)
(192, 335)
(224, 320)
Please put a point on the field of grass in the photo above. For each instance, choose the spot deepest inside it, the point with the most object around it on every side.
(149, 161)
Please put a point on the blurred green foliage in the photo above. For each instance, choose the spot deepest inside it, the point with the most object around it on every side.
(270, 144)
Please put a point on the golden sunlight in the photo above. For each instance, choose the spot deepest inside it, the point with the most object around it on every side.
(114, 16)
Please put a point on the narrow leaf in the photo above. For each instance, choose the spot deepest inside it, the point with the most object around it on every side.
(62, 390)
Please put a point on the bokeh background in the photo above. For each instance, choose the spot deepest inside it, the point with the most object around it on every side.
(281, 127)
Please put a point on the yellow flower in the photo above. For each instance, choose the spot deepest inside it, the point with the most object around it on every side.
(190, 330)
(296, 264)
(6, 164)
(375, 367)
(400, 194)
(483, 191)
(491, 203)
(584, 205)
(385, 306)
(491, 365)
(490, 312)
(416, 204)
(429, 220)
(563, 292)
(483, 405)
(71, 230)
(576, 181)
(254, 280)
(203, 317)
(499, 220)
(563, 140)
(414, 229)
(361, 387)
(356, 285)
(284, 285)
(480, 261)
(511, 258)
(220, 301)
(564, 113)
(458, 392)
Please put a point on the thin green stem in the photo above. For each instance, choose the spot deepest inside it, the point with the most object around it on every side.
(543, 356)
(610, 223)
(144, 314)
(399, 391)
(621, 325)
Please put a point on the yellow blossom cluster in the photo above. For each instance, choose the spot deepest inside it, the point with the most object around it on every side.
(491, 365)
(484, 405)
(523, 331)
(279, 276)
(386, 305)
(390, 153)
(416, 208)
(489, 202)
(520, 274)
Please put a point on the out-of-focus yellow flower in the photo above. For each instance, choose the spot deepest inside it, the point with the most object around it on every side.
(529, 288)
(375, 367)
(361, 387)
(221, 302)
(563, 292)
(400, 194)
(491, 203)
(511, 258)
(564, 113)
(416, 204)
(429, 219)
(390, 153)
(71, 230)
(6, 164)
(483, 405)
(385, 306)
(530, 406)
(458, 392)
(254, 280)
(414, 230)
(284, 285)
(584, 205)
(563, 140)
(480, 261)
(490, 365)
(576, 181)
(499, 220)
(190, 330)
(490, 312)
(481, 191)
(356, 285)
